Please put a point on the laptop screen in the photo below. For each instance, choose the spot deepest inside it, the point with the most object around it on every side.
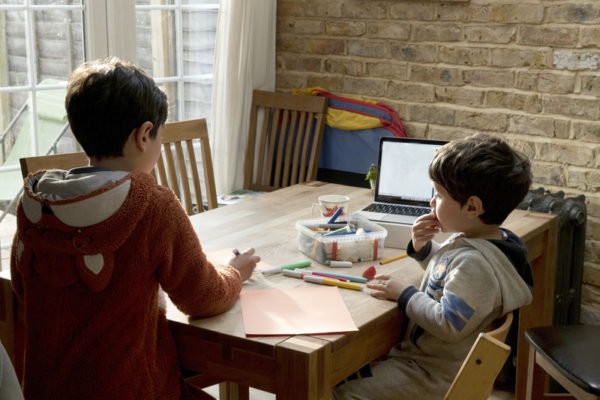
(403, 172)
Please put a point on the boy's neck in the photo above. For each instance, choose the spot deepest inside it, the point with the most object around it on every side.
(485, 231)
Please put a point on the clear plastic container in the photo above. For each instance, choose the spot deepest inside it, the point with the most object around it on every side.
(354, 247)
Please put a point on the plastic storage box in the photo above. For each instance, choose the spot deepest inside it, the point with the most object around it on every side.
(353, 247)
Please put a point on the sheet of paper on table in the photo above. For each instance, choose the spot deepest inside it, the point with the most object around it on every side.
(297, 311)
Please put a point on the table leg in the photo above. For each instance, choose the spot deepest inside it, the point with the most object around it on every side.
(233, 391)
(302, 362)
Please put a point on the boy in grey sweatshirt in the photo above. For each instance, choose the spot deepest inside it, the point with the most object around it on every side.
(479, 274)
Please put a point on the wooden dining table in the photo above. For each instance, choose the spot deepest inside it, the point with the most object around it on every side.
(303, 366)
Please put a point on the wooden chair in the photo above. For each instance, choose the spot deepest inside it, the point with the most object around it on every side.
(176, 176)
(55, 161)
(569, 354)
(284, 140)
(476, 376)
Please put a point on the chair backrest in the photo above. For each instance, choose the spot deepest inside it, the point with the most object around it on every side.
(475, 379)
(176, 175)
(284, 140)
(54, 161)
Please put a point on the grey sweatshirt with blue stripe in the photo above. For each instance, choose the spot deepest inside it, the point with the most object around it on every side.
(467, 284)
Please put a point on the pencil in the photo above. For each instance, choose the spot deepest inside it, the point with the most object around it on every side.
(389, 260)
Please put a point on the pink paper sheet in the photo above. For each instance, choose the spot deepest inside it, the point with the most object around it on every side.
(297, 311)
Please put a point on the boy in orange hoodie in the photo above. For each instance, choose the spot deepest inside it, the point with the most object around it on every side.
(95, 246)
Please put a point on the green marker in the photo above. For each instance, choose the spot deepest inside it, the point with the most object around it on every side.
(274, 270)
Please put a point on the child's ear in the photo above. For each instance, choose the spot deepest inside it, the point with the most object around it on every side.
(142, 135)
(474, 207)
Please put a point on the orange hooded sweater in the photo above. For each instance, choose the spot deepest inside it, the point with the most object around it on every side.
(87, 270)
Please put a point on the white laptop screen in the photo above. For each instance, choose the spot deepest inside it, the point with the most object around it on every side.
(403, 172)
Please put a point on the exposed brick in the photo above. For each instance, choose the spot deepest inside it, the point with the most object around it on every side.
(546, 82)
(421, 53)
(298, 63)
(489, 78)
(483, 121)
(324, 46)
(575, 60)
(593, 228)
(573, 13)
(490, 34)
(368, 48)
(592, 202)
(366, 9)
(473, 56)
(290, 8)
(524, 146)
(590, 36)
(547, 174)
(388, 69)
(591, 270)
(300, 26)
(332, 83)
(583, 179)
(447, 133)
(568, 153)
(571, 106)
(460, 96)
(415, 129)
(510, 57)
(586, 131)
(590, 84)
(514, 101)
(346, 28)
(411, 92)
(385, 30)
(290, 80)
(323, 8)
(432, 114)
(463, 12)
(416, 11)
(344, 66)
(547, 36)
(517, 13)
(437, 33)
(436, 75)
(539, 126)
(367, 87)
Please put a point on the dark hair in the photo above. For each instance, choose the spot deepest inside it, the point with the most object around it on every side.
(486, 167)
(106, 100)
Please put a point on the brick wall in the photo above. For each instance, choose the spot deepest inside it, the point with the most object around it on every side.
(524, 70)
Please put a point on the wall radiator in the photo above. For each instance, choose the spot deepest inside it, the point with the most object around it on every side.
(572, 216)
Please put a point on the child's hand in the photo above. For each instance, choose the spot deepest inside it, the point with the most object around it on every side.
(423, 230)
(244, 262)
(386, 287)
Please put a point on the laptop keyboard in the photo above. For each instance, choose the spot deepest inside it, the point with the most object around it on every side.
(397, 209)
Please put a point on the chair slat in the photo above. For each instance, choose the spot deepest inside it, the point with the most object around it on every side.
(185, 182)
(297, 146)
(284, 155)
(188, 132)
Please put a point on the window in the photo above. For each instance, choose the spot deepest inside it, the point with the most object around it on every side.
(41, 41)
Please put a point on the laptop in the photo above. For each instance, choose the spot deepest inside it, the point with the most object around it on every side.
(403, 189)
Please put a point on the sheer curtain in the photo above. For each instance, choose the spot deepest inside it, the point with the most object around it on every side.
(244, 61)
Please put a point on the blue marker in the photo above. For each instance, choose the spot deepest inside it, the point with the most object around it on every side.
(351, 278)
(334, 216)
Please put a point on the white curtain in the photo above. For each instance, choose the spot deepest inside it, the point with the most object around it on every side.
(244, 61)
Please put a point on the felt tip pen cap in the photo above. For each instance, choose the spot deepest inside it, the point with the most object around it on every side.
(334, 263)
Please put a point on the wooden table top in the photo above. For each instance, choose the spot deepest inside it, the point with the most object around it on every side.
(267, 223)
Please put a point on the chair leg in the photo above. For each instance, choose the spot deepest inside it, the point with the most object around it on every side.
(233, 391)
